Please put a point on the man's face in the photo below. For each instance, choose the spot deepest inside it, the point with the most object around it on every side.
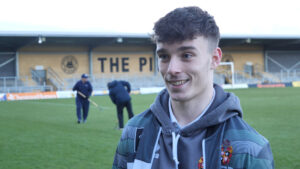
(83, 80)
(187, 67)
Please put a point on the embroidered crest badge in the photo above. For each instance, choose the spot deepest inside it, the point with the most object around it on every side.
(200, 163)
(226, 152)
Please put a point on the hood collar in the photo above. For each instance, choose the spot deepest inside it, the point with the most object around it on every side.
(225, 105)
(112, 84)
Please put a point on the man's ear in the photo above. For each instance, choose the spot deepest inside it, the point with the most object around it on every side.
(216, 58)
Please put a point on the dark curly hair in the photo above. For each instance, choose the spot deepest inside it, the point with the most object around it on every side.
(186, 24)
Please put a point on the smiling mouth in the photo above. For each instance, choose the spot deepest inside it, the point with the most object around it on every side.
(178, 82)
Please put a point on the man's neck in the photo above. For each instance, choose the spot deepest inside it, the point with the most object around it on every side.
(186, 112)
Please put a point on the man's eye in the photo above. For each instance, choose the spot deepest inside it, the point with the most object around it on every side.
(187, 55)
(163, 57)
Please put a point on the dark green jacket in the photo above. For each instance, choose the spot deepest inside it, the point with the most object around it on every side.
(231, 143)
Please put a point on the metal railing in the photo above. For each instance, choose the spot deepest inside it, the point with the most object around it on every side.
(55, 79)
(137, 81)
(10, 81)
(261, 77)
(19, 84)
(288, 76)
(25, 89)
(37, 77)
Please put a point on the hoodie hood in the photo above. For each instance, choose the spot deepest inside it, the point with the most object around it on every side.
(112, 84)
(224, 106)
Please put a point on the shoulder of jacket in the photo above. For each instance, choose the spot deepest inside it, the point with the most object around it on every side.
(129, 132)
(141, 119)
(239, 130)
(139, 122)
(248, 146)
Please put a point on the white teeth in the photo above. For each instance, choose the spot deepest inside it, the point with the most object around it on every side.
(178, 82)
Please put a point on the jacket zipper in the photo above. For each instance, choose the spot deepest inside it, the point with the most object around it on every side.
(155, 146)
(203, 153)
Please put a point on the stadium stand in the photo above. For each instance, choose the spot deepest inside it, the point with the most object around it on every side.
(99, 82)
(257, 60)
(21, 85)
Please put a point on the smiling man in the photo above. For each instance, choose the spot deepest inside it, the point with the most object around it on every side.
(193, 123)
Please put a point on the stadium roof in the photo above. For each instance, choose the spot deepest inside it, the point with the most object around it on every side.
(13, 40)
(71, 34)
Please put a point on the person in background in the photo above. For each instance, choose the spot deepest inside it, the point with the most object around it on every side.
(193, 123)
(84, 90)
(121, 98)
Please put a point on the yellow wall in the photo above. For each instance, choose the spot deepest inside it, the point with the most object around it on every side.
(120, 63)
(52, 57)
(132, 60)
(128, 60)
(32, 59)
(241, 55)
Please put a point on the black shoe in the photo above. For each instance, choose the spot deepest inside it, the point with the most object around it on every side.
(78, 121)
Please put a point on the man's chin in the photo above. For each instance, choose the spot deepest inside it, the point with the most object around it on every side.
(180, 97)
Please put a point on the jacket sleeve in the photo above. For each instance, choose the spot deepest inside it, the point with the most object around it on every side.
(90, 90)
(249, 149)
(123, 151)
(127, 84)
(264, 159)
(120, 161)
(112, 97)
(75, 87)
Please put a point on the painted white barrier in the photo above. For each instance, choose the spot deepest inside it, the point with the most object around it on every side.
(2, 96)
(65, 94)
(149, 90)
(31, 96)
(100, 92)
(235, 86)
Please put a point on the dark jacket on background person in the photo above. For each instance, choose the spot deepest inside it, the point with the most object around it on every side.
(85, 88)
(220, 139)
(117, 91)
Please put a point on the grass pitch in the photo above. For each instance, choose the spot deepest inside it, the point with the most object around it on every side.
(43, 134)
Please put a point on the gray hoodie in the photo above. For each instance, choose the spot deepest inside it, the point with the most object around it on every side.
(185, 146)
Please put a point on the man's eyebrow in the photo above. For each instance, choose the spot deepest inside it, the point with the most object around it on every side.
(183, 48)
(162, 50)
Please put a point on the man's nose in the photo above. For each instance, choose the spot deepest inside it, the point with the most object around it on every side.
(174, 66)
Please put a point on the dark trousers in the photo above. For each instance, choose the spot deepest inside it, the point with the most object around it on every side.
(83, 104)
(120, 108)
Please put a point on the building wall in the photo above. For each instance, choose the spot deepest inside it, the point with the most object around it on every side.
(240, 55)
(70, 62)
(123, 60)
(56, 58)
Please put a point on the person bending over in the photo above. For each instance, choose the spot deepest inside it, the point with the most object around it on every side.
(121, 98)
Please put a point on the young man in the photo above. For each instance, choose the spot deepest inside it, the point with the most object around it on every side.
(121, 98)
(193, 123)
(84, 90)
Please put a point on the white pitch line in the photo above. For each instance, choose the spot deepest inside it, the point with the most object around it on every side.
(49, 103)
(61, 104)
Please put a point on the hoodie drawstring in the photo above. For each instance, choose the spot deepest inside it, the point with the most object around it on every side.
(174, 148)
